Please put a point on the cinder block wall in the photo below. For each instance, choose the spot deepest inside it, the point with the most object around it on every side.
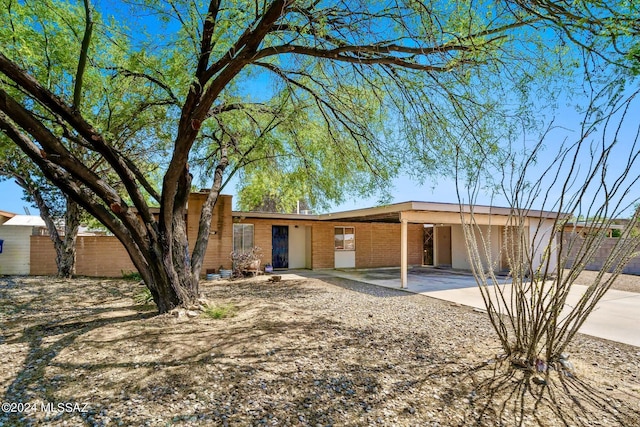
(43, 256)
(633, 267)
(101, 256)
(104, 256)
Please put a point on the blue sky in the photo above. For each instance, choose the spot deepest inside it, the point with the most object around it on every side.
(404, 190)
(437, 189)
(10, 198)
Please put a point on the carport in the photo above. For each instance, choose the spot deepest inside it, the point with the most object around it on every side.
(445, 221)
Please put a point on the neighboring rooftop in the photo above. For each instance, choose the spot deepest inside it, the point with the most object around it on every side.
(26, 221)
(7, 214)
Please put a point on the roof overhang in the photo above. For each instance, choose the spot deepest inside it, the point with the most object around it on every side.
(274, 215)
(7, 214)
(427, 212)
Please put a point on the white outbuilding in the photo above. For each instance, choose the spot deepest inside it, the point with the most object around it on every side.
(15, 242)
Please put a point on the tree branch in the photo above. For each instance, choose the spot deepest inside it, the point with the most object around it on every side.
(75, 119)
(84, 52)
(208, 29)
(154, 80)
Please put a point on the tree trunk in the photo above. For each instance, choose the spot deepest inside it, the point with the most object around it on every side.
(66, 251)
(168, 265)
(204, 226)
(65, 246)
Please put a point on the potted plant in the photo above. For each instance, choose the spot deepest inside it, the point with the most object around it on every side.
(268, 268)
(225, 274)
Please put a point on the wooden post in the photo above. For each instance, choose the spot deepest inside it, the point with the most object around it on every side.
(403, 253)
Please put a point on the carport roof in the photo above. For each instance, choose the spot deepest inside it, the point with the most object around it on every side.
(392, 213)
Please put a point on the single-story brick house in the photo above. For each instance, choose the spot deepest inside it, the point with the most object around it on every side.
(396, 235)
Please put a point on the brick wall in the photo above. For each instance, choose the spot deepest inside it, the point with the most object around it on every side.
(633, 267)
(104, 256)
(221, 233)
(43, 256)
(101, 256)
(323, 244)
(377, 244)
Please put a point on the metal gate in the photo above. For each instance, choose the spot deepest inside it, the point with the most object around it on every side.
(427, 256)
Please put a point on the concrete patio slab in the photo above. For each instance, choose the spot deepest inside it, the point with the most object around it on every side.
(616, 317)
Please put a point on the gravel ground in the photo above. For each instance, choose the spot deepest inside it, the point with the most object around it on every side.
(302, 352)
(624, 282)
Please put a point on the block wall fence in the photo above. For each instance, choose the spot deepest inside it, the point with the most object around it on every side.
(633, 267)
(99, 256)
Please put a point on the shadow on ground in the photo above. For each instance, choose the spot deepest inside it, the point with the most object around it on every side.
(286, 358)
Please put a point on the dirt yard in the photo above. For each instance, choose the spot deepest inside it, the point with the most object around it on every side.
(302, 352)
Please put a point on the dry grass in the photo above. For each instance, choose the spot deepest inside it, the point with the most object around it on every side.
(299, 352)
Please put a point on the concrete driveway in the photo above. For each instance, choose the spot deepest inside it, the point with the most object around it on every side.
(616, 317)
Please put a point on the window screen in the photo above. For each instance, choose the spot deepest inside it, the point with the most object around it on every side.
(242, 237)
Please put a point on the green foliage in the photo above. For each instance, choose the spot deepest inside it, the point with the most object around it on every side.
(41, 35)
(302, 100)
(131, 275)
(143, 297)
(220, 311)
(44, 37)
(634, 59)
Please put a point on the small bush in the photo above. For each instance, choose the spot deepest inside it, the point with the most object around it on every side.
(131, 275)
(243, 261)
(220, 311)
(143, 297)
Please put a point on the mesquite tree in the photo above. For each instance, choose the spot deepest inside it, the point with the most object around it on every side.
(347, 67)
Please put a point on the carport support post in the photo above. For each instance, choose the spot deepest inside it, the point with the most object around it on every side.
(403, 253)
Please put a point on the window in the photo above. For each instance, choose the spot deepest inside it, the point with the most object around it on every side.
(242, 237)
(345, 239)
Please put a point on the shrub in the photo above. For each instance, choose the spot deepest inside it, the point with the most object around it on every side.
(242, 261)
(143, 296)
(131, 275)
(220, 311)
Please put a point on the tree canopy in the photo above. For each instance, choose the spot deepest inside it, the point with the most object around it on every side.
(331, 96)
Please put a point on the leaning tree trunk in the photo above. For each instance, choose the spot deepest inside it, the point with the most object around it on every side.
(165, 266)
(65, 246)
(66, 249)
(176, 279)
